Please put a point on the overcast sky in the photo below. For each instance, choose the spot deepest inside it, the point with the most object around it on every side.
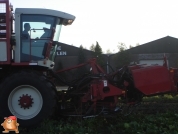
(112, 21)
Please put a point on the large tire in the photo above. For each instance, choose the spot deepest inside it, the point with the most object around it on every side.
(28, 96)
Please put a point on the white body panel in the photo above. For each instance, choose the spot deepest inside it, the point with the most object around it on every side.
(152, 62)
(17, 37)
(46, 63)
(44, 12)
(3, 51)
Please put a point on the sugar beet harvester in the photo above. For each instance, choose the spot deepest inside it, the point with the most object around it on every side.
(27, 88)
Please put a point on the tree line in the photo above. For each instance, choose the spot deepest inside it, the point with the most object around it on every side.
(121, 58)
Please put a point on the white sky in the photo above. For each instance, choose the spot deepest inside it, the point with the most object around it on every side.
(112, 21)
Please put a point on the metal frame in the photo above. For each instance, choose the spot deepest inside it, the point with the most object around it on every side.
(138, 79)
(8, 31)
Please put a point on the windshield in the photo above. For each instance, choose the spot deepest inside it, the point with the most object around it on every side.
(36, 31)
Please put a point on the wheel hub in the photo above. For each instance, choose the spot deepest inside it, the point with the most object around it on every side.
(25, 101)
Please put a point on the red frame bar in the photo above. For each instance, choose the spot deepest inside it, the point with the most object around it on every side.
(95, 68)
(21, 64)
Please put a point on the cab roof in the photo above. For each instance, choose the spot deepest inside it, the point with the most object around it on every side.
(44, 12)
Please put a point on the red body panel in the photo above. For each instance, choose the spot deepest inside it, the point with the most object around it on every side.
(152, 80)
(100, 90)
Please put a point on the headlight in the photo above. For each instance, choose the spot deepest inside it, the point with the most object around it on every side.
(67, 22)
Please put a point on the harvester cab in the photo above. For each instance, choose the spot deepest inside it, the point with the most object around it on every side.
(28, 39)
(36, 30)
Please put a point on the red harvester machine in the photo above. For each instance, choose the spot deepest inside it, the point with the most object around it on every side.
(27, 88)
